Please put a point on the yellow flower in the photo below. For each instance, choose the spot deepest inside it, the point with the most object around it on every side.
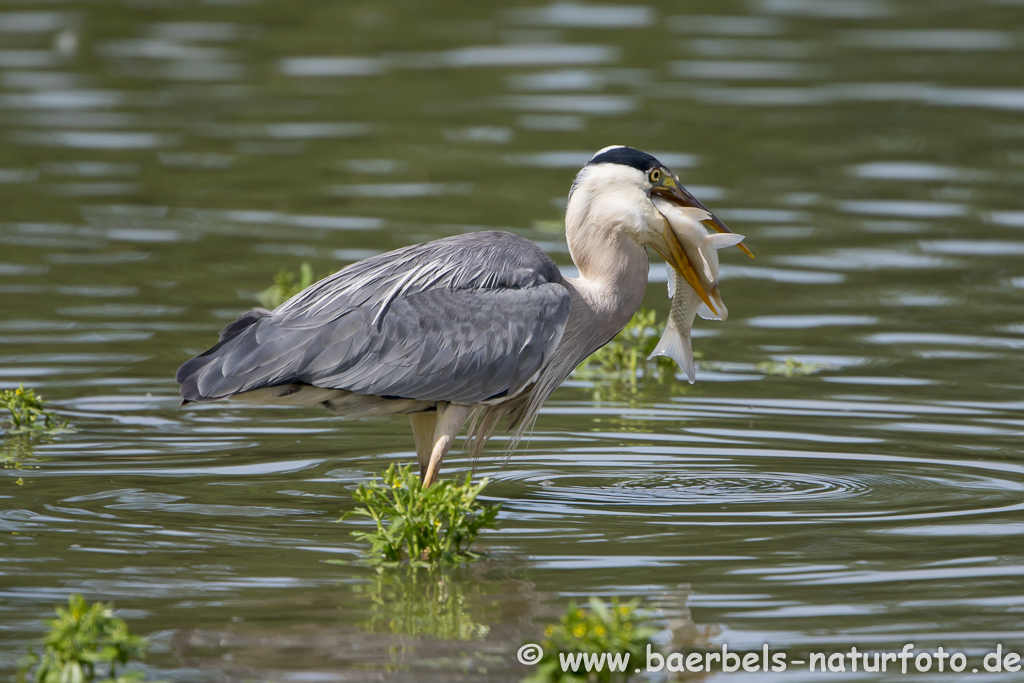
(549, 631)
(600, 631)
(579, 631)
(623, 611)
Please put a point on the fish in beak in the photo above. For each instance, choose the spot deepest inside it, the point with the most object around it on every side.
(701, 254)
(691, 251)
(672, 190)
(672, 250)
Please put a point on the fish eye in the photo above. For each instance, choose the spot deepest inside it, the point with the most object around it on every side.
(655, 175)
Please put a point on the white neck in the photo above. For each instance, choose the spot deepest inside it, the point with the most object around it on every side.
(601, 230)
(613, 267)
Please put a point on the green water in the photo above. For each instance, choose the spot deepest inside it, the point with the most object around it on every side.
(159, 162)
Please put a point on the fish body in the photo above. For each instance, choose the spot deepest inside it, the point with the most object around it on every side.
(675, 341)
(702, 251)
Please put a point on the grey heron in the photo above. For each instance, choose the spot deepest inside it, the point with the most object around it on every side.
(478, 327)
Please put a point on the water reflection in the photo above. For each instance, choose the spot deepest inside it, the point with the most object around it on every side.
(331, 66)
(159, 166)
(420, 625)
(437, 603)
(579, 15)
(686, 635)
(932, 40)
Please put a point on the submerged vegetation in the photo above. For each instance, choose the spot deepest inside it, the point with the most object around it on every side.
(614, 629)
(621, 368)
(27, 413)
(626, 354)
(86, 643)
(286, 285)
(791, 367)
(622, 364)
(421, 526)
(26, 422)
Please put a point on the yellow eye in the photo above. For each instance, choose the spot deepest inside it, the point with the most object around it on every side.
(655, 175)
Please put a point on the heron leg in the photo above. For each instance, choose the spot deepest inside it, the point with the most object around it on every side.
(423, 425)
(450, 418)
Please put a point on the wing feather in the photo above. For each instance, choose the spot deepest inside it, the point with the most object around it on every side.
(460, 319)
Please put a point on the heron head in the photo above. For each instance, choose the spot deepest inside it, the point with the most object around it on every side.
(615, 188)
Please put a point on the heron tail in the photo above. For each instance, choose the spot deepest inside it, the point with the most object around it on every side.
(188, 374)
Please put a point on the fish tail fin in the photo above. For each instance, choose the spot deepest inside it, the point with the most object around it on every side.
(677, 347)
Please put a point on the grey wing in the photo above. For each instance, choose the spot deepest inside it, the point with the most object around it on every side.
(464, 319)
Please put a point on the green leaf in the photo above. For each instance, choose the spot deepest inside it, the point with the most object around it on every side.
(618, 367)
(286, 285)
(613, 628)
(420, 525)
(82, 639)
(28, 414)
(597, 605)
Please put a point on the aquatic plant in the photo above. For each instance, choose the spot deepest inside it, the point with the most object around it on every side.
(29, 422)
(421, 526)
(286, 285)
(618, 367)
(28, 413)
(615, 629)
(84, 643)
(791, 367)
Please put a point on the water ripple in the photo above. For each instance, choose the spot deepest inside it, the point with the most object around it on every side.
(736, 486)
(578, 15)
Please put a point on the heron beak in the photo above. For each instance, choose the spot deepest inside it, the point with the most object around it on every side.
(672, 251)
(672, 190)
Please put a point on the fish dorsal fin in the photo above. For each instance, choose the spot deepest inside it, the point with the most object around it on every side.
(721, 240)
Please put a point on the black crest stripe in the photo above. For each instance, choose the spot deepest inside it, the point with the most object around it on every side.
(627, 156)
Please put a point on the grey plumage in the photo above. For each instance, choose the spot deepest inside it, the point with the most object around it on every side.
(479, 327)
(463, 319)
